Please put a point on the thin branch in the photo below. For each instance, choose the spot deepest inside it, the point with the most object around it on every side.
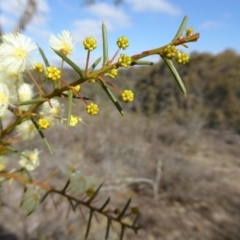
(157, 179)
(30, 10)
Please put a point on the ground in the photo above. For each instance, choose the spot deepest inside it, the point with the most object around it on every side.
(199, 191)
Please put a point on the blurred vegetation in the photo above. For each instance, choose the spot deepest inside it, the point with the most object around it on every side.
(213, 85)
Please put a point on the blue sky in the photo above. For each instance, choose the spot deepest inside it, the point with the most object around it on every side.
(147, 23)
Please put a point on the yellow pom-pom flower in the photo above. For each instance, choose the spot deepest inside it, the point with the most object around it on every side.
(52, 73)
(43, 123)
(77, 88)
(122, 42)
(74, 120)
(170, 51)
(127, 96)
(189, 31)
(124, 60)
(38, 67)
(113, 73)
(182, 58)
(90, 43)
(92, 80)
(92, 109)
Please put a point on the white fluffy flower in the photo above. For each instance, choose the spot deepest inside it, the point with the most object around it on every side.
(9, 78)
(74, 120)
(52, 111)
(12, 81)
(29, 159)
(27, 130)
(62, 43)
(31, 200)
(77, 182)
(4, 98)
(17, 52)
(80, 184)
(7, 118)
(25, 93)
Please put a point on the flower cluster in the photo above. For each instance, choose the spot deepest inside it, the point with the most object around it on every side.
(31, 200)
(90, 43)
(43, 123)
(170, 51)
(29, 159)
(92, 109)
(122, 42)
(127, 96)
(77, 88)
(82, 184)
(26, 130)
(113, 73)
(52, 73)
(52, 111)
(124, 60)
(74, 120)
(182, 58)
(38, 67)
(25, 93)
(62, 43)
(17, 53)
(189, 31)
